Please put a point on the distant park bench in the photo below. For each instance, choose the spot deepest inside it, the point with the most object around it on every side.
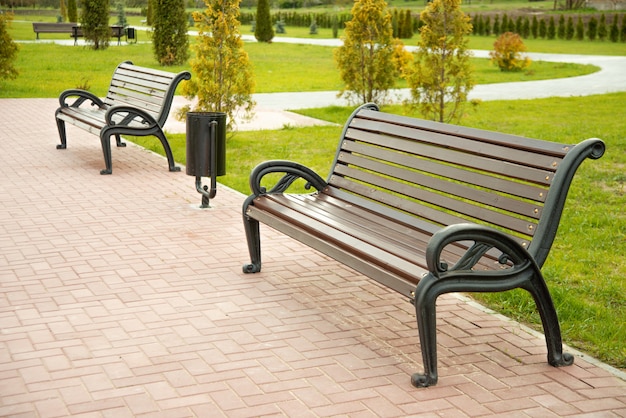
(427, 208)
(138, 103)
(73, 29)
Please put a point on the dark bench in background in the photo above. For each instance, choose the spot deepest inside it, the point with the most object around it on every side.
(49, 27)
(425, 209)
(73, 29)
(138, 103)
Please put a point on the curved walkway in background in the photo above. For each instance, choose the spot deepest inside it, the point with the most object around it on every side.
(610, 79)
(270, 110)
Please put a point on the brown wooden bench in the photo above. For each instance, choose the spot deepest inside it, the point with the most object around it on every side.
(49, 27)
(138, 103)
(427, 208)
(73, 29)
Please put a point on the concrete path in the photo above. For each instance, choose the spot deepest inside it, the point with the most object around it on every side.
(119, 297)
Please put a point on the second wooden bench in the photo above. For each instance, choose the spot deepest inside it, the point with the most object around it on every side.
(138, 103)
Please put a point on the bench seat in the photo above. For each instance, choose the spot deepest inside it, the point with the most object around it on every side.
(426, 208)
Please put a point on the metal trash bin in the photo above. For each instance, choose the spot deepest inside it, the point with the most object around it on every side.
(206, 149)
(131, 34)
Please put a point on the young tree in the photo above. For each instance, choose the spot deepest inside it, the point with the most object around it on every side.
(580, 29)
(8, 49)
(569, 29)
(603, 31)
(592, 28)
(63, 10)
(169, 40)
(95, 23)
(263, 31)
(534, 27)
(366, 58)
(441, 76)
(614, 31)
(72, 11)
(223, 80)
(121, 14)
(496, 25)
(560, 31)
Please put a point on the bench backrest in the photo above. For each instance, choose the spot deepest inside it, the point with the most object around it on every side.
(61, 27)
(439, 174)
(144, 88)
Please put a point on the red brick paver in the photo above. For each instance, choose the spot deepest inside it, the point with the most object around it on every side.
(120, 298)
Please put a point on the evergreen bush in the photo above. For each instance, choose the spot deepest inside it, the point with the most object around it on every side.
(169, 39)
(95, 23)
(603, 32)
(592, 28)
(263, 31)
(72, 11)
(8, 49)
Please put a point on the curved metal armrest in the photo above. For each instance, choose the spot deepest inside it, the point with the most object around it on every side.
(81, 97)
(484, 239)
(292, 170)
(126, 115)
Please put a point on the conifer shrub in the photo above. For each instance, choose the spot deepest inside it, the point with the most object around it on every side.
(72, 11)
(508, 53)
(8, 49)
(95, 23)
(169, 40)
(263, 31)
(592, 28)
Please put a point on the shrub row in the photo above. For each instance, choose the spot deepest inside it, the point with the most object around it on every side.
(577, 27)
(406, 23)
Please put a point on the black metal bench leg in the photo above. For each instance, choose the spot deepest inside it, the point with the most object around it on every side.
(425, 309)
(168, 151)
(549, 319)
(62, 134)
(118, 141)
(106, 150)
(253, 238)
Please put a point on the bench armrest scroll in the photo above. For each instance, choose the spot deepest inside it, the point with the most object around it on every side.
(81, 97)
(484, 239)
(292, 171)
(124, 115)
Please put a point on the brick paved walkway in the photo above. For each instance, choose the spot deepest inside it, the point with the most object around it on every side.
(120, 298)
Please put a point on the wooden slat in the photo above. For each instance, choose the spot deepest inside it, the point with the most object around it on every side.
(341, 239)
(460, 143)
(354, 164)
(439, 153)
(413, 239)
(434, 207)
(508, 140)
(438, 168)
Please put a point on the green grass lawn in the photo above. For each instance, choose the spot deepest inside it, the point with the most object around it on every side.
(278, 67)
(586, 269)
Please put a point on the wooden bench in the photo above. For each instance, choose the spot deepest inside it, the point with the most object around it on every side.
(138, 103)
(73, 29)
(425, 209)
(49, 27)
